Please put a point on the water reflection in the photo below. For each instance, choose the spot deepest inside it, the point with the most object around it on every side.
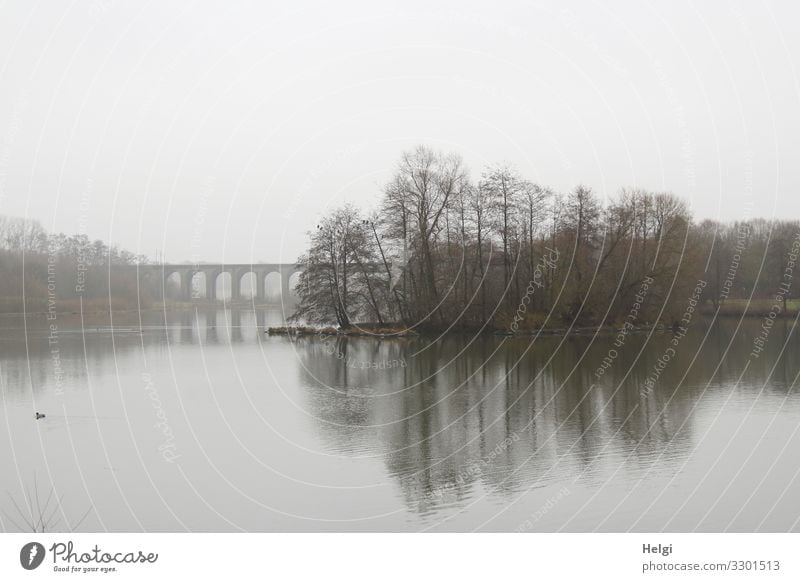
(444, 417)
(407, 433)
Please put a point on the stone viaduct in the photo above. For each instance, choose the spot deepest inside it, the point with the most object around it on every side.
(160, 274)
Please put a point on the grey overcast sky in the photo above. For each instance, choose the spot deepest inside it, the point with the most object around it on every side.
(222, 130)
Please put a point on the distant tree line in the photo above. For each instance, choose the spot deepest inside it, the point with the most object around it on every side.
(44, 268)
(443, 250)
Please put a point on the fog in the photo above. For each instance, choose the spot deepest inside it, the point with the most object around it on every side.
(220, 131)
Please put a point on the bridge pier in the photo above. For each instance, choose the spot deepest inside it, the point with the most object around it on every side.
(284, 287)
(261, 286)
(186, 285)
(211, 285)
(236, 285)
(286, 275)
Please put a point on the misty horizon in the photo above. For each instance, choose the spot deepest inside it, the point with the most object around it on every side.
(225, 135)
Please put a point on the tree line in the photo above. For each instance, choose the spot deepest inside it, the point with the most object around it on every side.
(38, 268)
(441, 250)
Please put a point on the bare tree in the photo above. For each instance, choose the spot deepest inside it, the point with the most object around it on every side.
(422, 187)
(504, 187)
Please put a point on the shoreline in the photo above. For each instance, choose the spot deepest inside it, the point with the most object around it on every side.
(391, 331)
(308, 331)
(151, 308)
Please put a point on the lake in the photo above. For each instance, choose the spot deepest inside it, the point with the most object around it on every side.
(196, 420)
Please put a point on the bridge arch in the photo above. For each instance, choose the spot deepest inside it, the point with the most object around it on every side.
(272, 286)
(223, 285)
(249, 287)
(221, 281)
(292, 283)
(174, 284)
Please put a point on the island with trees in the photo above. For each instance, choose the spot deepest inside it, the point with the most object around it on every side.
(441, 251)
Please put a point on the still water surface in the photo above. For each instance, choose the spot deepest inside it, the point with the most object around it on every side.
(193, 420)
